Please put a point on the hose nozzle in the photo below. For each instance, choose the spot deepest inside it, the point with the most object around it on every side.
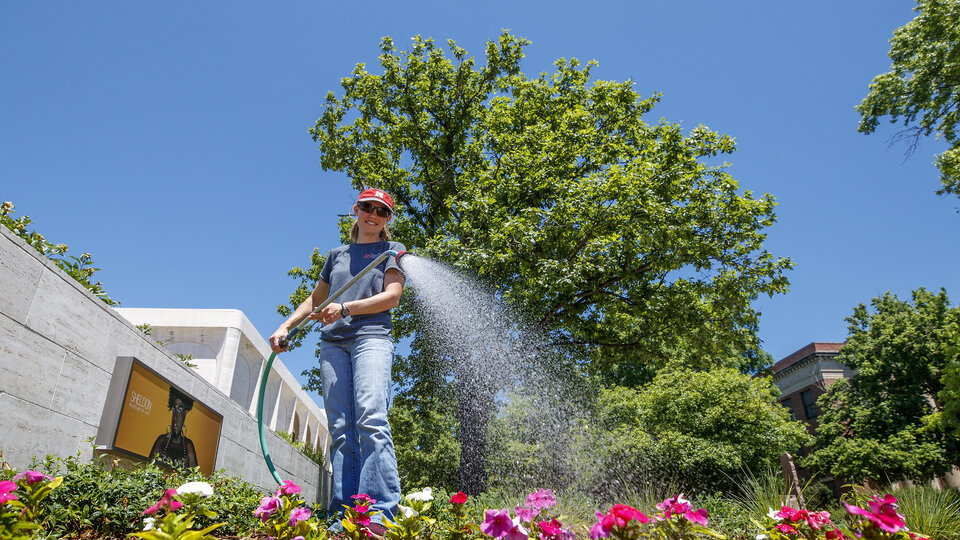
(401, 254)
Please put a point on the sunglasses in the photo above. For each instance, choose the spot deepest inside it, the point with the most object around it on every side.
(370, 208)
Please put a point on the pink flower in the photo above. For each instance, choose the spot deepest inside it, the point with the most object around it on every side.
(674, 505)
(167, 502)
(598, 530)
(362, 503)
(299, 513)
(786, 529)
(677, 505)
(268, 507)
(6, 496)
(526, 514)
(361, 519)
(288, 488)
(496, 523)
(549, 529)
(32, 477)
(834, 535)
(459, 498)
(699, 517)
(7, 486)
(882, 513)
(542, 498)
(618, 516)
(552, 530)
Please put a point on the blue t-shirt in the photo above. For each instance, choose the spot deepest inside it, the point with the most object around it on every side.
(345, 262)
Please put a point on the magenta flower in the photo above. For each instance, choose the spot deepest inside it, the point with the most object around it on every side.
(166, 502)
(552, 530)
(549, 529)
(288, 488)
(598, 530)
(299, 513)
(361, 520)
(679, 506)
(786, 529)
(362, 503)
(618, 516)
(496, 523)
(542, 498)
(458, 498)
(268, 507)
(6, 496)
(7, 485)
(882, 513)
(526, 514)
(32, 477)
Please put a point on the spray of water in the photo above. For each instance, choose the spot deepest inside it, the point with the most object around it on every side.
(520, 405)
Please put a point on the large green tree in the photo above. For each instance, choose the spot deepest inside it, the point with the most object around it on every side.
(881, 424)
(922, 87)
(624, 243)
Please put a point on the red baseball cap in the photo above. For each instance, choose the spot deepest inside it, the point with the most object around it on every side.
(378, 195)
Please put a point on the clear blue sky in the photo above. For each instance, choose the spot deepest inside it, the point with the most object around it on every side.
(170, 139)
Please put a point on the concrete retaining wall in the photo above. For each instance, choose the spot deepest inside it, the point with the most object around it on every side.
(58, 346)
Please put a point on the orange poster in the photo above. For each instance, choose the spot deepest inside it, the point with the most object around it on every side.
(160, 421)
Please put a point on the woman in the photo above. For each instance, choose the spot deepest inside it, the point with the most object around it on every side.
(356, 356)
(173, 448)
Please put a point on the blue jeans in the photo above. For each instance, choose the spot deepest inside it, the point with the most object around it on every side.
(356, 395)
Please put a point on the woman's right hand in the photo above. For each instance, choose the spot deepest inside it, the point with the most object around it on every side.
(280, 334)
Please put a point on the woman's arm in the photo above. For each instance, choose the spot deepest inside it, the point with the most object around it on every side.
(393, 282)
(316, 298)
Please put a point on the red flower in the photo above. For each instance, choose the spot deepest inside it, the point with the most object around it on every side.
(459, 498)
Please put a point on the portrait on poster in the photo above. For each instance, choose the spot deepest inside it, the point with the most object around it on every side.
(160, 421)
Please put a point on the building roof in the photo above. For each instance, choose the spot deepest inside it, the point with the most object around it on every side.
(809, 350)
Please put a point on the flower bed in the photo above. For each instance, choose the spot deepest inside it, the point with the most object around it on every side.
(284, 515)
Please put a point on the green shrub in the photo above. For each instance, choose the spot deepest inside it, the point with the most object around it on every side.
(110, 502)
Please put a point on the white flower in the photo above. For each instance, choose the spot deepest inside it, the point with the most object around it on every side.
(407, 511)
(200, 488)
(772, 514)
(149, 523)
(425, 495)
(762, 537)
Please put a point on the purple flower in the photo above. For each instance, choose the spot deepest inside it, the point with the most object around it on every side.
(516, 532)
(299, 513)
(526, 514)
(542, 498)
(268, 507)
(496, 523)
(32, 476)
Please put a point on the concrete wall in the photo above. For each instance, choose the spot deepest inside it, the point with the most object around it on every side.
(58, 346)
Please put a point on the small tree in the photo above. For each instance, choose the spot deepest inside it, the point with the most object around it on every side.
(693, 429)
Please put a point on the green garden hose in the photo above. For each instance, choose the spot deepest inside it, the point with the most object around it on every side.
(283, 344)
